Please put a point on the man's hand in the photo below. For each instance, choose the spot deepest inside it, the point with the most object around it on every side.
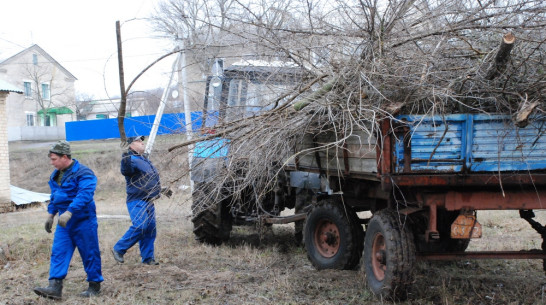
(167, 192)
(49, 223)
(64, 218)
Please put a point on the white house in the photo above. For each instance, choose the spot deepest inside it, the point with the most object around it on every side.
(48, 89)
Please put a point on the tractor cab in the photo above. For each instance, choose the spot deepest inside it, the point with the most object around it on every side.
(248, 88)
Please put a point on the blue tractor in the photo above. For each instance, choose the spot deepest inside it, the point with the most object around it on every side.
(220, 200)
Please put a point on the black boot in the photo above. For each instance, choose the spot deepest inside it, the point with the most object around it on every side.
(53, 291)
(93, 290)
(150, 261)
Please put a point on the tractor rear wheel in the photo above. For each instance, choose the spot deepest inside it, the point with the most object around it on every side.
(212, 223)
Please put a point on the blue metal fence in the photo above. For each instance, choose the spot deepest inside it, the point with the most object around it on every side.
(171, 123)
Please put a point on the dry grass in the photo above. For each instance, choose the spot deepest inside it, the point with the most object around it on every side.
(246, 270)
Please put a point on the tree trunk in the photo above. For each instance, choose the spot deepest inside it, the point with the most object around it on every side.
(123, 99)
(503, 55)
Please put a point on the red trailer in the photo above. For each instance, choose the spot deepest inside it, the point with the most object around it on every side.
(423, 178)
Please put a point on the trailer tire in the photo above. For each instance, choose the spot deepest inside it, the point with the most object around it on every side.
(332, 236)
(389, 255)
(212, 224)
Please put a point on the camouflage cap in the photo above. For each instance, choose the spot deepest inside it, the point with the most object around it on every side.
(61, 148)
(132, 139)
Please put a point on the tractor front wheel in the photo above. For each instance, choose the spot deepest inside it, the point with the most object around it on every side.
(333, 236)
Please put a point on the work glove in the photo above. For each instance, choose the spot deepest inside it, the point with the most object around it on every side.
(167, 192)
(49, 223)
(64, 218)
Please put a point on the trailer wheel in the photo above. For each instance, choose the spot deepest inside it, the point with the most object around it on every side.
(333, 237)
(212, 224)
(389, 255)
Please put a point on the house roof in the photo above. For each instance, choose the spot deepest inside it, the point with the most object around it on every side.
(57, 110)
(7, 87)
(37, 48)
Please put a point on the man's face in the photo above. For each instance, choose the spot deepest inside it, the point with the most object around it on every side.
(138, 146)
(59, 162)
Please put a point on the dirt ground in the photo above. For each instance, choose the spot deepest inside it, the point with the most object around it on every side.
(253, 267)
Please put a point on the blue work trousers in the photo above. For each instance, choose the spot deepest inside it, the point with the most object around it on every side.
(142, 231)
(82, 235)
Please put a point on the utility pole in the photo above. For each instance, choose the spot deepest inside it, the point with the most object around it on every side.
(183, 83)
(159, 114)
(183, 87)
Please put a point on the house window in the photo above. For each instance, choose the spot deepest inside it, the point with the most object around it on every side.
(128, 115)
(46, 94)
(30, 119)
(34, 59)
(28, 89)
(101, 116)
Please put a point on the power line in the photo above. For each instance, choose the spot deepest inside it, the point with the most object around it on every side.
(91, 59)
(9, 41)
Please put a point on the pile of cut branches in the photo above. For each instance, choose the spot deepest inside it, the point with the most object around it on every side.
(406, 57)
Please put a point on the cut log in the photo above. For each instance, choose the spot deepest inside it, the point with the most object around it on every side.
(503, 55)
(522, 117)
(317, 94)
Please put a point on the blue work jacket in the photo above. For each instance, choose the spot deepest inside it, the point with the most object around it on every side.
(141, 177)
(75, 193)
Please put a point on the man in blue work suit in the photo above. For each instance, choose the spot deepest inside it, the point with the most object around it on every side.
(143, 187)
(72, 189)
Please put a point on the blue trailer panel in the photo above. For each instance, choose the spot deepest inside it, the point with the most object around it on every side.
(471, 143)
(214, 148)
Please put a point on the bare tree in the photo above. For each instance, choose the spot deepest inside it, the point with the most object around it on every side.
(47, 91)
(83, 105)
(202, 25)
(145, 102)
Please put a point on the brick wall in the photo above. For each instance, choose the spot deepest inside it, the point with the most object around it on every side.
(5, 194)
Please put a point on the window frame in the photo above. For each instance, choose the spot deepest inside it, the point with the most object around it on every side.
(32, 118)
(46, 91)
(28, 94)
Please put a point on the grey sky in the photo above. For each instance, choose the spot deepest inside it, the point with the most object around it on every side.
(81, 36)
